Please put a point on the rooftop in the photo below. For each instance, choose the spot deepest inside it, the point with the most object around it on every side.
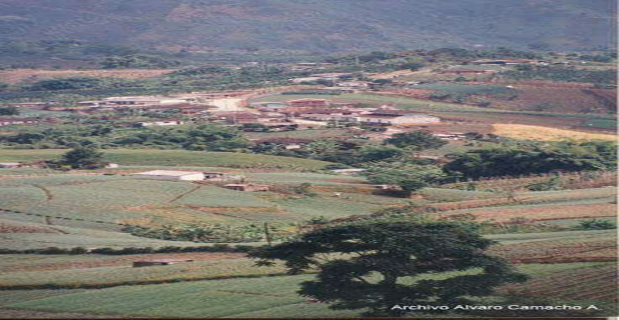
(168, 173)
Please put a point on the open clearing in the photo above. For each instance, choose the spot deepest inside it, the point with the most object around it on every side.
(526, 132)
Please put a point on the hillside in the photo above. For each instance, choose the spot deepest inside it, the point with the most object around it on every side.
(317, 25)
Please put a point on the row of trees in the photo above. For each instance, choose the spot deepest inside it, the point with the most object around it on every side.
(206, 137)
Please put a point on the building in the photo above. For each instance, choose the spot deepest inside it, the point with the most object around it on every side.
(160, 262)
(269, 106)
(353, 84)
(173, 175)
(348, 171)
(10, 165)
(506, 61)
(397, 118)
(214, 176)
(144, 100)
(305, 80)
(248, 187)
(287, 143)
(309, 103)
(160, 123)
(468, 71)
(238, 117)
(13, 121)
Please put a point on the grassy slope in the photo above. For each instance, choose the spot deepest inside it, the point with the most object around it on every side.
(272, 297)
(152, 157)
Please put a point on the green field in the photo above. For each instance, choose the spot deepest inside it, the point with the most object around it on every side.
(199, 270)
(264, 297)
(610, 124)
(152, 157)
(465, 89)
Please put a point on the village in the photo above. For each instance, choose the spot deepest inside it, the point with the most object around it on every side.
(174, 185)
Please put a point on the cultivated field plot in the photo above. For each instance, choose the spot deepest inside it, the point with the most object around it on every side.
(589, 248)
(576, 180)
(556, 120)
(175, 157)
(47, 262)
(298, 178)
(71, 237)
(95, 270)
(17, 75)
(512, 238)
(526, 132)
(563, 99)
(609, 124)
(466, 89)
(260, 297)
(590, 284)
(542, 213)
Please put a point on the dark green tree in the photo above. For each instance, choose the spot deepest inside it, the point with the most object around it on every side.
(418, 139)
(369, 265)
(525, 160)
(412, 185)
(9, 111)
(83, 157)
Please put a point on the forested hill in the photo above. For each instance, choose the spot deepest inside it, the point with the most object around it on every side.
(312, 25)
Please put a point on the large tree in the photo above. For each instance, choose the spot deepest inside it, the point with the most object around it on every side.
(83, 157)
(419, 140)
(376, 265)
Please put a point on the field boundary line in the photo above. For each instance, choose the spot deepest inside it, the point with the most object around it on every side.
(135, 283)
(48, 193)
(184, 194)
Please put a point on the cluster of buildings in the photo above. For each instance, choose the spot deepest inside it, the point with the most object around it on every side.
(327, 111)
(17, 121)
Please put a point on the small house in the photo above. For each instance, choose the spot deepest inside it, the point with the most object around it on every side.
(13, 121)
(160, 262)
(214, 176)
(248, 187)
(160, 123)
(173, 175)
(350, 171)
(10, 164)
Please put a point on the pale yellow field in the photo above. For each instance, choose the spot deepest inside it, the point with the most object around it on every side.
(519, 131)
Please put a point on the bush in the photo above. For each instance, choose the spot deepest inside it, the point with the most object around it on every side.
(595, 224)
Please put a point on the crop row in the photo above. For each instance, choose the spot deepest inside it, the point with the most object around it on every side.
(581, 284)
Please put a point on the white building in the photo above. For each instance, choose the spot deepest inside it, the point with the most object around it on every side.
(160, 123)
(173, 175)
(395, 119)
(145, 100)
(10, 164)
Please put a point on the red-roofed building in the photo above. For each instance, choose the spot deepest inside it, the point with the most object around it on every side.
(309, 103)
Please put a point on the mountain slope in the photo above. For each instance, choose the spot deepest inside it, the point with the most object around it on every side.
(312, 25)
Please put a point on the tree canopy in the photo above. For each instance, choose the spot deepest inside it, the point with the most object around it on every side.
(525, 160)
(83, 157)
(418, 139)
(374, 265)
